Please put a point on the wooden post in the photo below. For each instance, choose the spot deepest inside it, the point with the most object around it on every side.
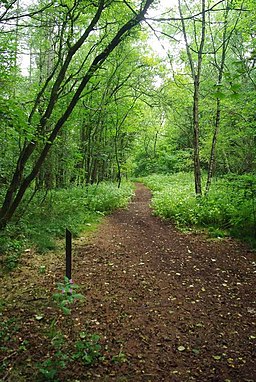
(68, 253)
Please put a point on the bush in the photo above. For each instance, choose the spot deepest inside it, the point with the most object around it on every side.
(106, 197)
(50, 214)
(75, 209)
(229, 207)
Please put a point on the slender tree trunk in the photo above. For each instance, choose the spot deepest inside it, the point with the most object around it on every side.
(197, 167)
(155, 143)
(16, 45)
(221, 66)
(196, 75)
(226, 162)
(18, 185)
(117, 158)
(218, 106)
(213, 147)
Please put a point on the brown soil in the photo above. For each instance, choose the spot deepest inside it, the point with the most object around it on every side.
(171, 306)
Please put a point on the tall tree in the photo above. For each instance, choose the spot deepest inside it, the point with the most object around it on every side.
(20, 183)
(196, 68)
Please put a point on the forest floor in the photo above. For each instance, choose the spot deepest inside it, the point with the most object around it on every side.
(168, 306)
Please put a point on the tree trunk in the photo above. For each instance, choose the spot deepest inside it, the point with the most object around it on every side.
(197, 167)
(213, 147)
(196, 75)
(225, 42)
(118, 175)
(18, 186)
(226, 162)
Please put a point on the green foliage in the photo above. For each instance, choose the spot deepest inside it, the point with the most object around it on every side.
(48, 370)
(106, 196)
(157, 182)
(12, 242)
(50, 367)
(88, 349)
(165, 162)
(174, 197)
(8, 340)
(67, 295)
(241, 192)
(119, 358)
(76, 208)
(229, 208)
(7, 329)
(49, 215)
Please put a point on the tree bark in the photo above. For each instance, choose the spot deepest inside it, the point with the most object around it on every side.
(18, 186)
(197, 167)
(225, 42)
(213, 147)
(196, 75)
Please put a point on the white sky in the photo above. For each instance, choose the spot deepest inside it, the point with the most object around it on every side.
(159, 48)
(162, 47)
(163, 5)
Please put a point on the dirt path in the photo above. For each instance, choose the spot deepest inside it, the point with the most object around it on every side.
(175, 307)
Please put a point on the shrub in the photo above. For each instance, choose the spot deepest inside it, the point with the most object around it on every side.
(76, 208)
(229, 207)
(49, 214)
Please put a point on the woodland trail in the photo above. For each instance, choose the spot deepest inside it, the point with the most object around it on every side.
(173, 306)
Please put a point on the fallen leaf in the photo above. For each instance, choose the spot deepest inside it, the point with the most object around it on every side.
(39, 317)
(216, 357)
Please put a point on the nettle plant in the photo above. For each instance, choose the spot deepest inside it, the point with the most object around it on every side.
(86, 349)
(67, 295)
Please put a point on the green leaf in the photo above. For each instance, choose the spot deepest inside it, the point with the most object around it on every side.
(235, 87)
(219, 95)
(83, 335)
(235, 96)
(78, 296)
(65, 310)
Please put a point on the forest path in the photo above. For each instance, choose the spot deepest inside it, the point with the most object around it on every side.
(174, 306)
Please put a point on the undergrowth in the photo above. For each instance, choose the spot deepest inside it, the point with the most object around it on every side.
(228, 209)
(61, 344)
(49, 214)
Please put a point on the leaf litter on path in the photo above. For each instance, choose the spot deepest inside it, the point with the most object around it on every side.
(179, 306)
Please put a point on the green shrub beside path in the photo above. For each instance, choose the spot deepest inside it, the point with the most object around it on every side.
(228, 209)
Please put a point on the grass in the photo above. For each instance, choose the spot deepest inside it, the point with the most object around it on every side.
(78, 209)
(228, 209)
